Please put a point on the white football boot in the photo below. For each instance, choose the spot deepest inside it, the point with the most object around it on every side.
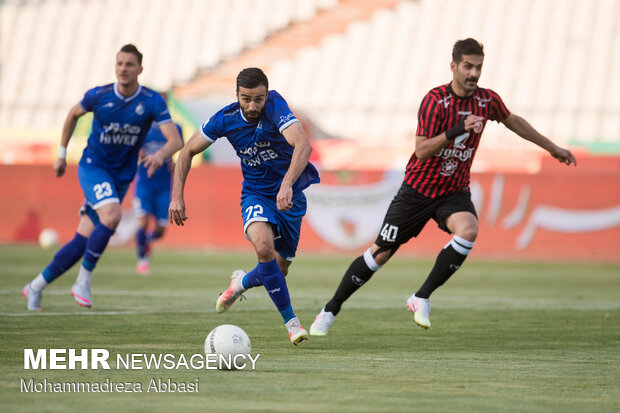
(234, 291)
(81, 294)
(421, 309)
(33, 297)
(321, 323)
(296, 332)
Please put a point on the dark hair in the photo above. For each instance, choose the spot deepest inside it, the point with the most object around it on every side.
(130, 48)
(251, 77)
(467, 46)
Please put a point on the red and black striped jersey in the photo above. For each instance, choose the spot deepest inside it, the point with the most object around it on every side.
(441, 109)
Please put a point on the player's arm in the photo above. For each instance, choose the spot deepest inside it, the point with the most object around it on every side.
(172, 145)
(425, 147)
(67, 131)
(196, 144)
(522, 128)
(296, 137)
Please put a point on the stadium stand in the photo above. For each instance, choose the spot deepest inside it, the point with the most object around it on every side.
(53, 50)
(357, 68)
(551, 61)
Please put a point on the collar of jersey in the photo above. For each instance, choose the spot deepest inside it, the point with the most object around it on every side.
(126, 99)
(453, 93)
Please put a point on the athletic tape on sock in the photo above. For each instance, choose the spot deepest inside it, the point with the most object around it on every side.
(460, 245)
(370, 261)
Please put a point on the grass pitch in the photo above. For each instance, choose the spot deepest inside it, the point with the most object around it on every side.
(505, 337)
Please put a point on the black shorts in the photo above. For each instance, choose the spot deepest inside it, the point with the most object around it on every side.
(410, 211)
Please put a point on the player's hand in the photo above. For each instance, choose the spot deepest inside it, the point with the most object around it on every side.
(284, 199)
(474, 122)
(60, 166)
(176, 212)
(563, 155)
(153, 162)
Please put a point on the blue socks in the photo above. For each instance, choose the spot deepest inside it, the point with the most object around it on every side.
(95, 245)
(154, 235)
(251, 279)
(65, 258)
(270, 275)
(90, 248)
(141, 242)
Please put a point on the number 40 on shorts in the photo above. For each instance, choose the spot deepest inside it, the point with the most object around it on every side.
(389, 233)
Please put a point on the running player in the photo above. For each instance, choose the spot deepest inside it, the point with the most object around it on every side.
(274, 152)
(123, 113)
(436, 185)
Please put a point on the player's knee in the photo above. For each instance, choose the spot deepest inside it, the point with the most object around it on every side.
(265, 252)
(111, 217)
(381, 255)
(469, 233)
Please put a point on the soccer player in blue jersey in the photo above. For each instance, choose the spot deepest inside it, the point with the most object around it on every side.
(122, 115)
(152, 197)
(274, 152)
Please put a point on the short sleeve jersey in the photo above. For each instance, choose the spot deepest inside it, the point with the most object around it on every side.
(120, 125)
(449, 170)
(264, 153)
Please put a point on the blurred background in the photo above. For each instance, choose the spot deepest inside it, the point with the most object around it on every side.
(355, 72)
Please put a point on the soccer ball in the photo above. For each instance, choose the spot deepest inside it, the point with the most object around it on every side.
(48, 238)
(227, 340)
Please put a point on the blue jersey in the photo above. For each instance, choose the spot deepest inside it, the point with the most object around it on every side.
(153, 142)
(265, 154)
(119, 127)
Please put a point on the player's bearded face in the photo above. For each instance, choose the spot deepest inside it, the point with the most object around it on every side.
(467, 72)
(127, 68)
(252, 102)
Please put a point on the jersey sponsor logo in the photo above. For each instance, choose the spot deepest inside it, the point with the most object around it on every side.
(109, 105)
(459, 141)
(116, 134)
(458, 153)
(255, 155)
(284, 119)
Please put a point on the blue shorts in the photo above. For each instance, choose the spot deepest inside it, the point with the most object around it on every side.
(152, 200)
(286, 224)
(100, 188)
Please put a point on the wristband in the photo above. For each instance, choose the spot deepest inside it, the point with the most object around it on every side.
(62, 152)
(455, 131)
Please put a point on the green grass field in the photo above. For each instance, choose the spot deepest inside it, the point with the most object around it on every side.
(505, 337)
